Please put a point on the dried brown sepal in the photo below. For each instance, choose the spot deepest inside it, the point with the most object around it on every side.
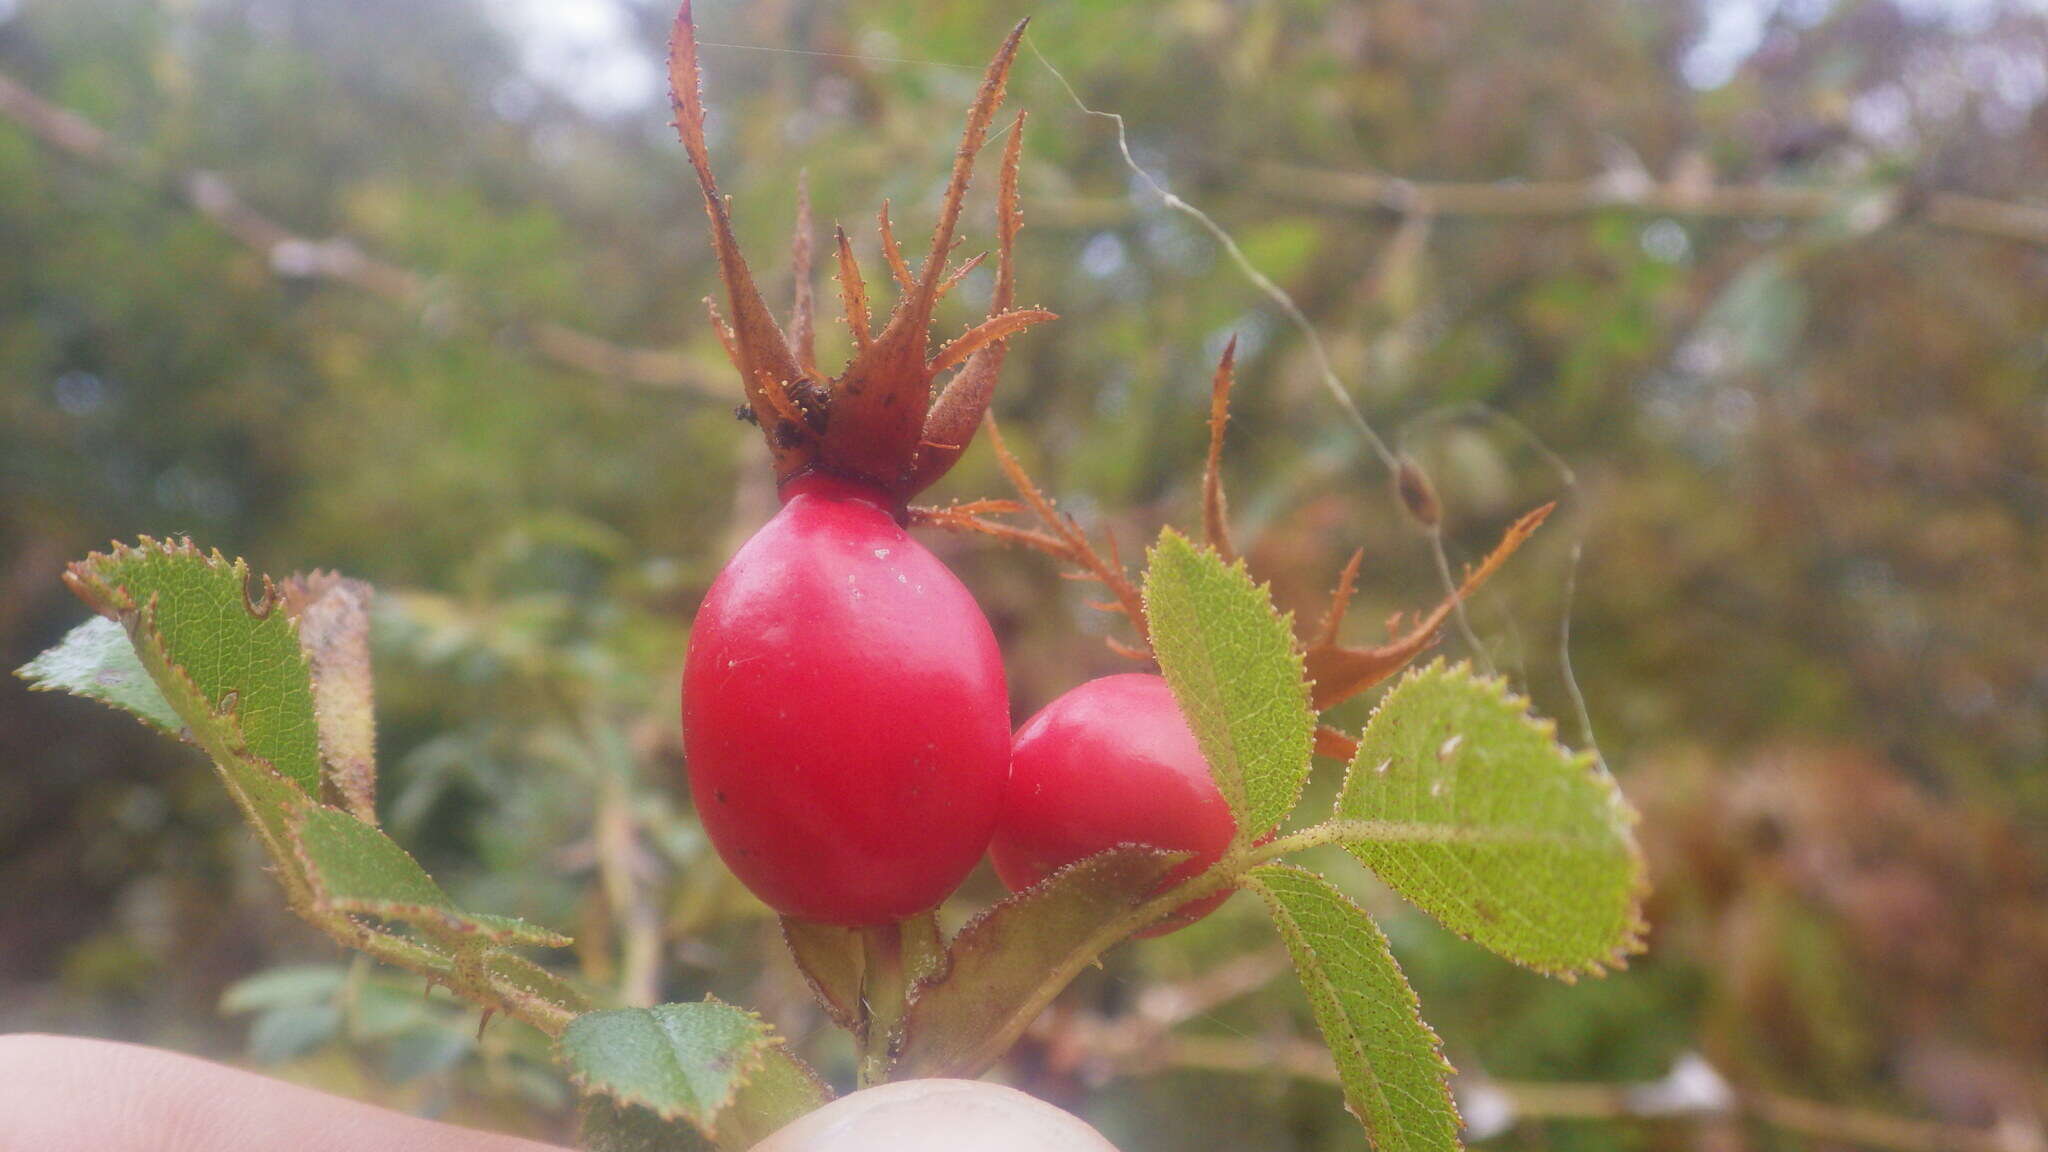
(1334, 744)
(882, 400)
(723, 330)
(960, 272)
(991, 331)
(760, 347)
(1057, 536)
(955, 520)
(1066, 541)
(1340, 672)
(853, 293)
(1340, 600)
(949, 426)
(778, 395)
(872, 423)
(1215, 508)
(990, 506)
(892, 252)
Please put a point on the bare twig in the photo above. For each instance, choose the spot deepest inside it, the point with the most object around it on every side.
(1305, 1059)
(1952, 211)
(618, 852)
(295, 255)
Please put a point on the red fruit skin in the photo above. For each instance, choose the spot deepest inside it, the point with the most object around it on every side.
(845, 717)
(1111, 762)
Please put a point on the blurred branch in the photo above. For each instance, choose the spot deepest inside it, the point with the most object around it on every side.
(1694, 1091)
(618, 859)
(292, 254)
(1632, 192)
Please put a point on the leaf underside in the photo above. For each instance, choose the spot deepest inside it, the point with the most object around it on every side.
(1389, 1062)
(97, 661)
(1467, 806)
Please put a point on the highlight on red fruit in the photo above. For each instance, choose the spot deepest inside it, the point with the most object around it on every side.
(1110, 762)
(845, 717)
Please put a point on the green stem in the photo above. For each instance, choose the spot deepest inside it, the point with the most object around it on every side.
(1328, 832)
(883, 1000)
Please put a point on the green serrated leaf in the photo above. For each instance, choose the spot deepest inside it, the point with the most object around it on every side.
(1465, 804)
(679, 1061)
(963, 1018)
(267, 800)
(1389, 1061)
(237, 648)
(1237, 676)
(97, 661)
(356, 869)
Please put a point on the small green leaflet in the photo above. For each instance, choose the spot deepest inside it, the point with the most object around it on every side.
(679, 1061)
(1394, 1074)
(97, 661)
(1237, 676)
(229, 635)
(1466, 805)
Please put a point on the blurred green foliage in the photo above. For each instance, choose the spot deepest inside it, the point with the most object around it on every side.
(1810, 464)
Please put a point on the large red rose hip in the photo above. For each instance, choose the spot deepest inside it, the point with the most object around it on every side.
(844, 714)
(1110, 762)
(843, 703)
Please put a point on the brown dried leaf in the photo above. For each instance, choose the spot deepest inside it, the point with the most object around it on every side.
(334, 632)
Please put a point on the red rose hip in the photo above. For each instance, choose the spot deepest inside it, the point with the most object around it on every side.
(1110, 762)
(844, 714)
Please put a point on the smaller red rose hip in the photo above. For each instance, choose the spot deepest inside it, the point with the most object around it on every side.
(1110, 762)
